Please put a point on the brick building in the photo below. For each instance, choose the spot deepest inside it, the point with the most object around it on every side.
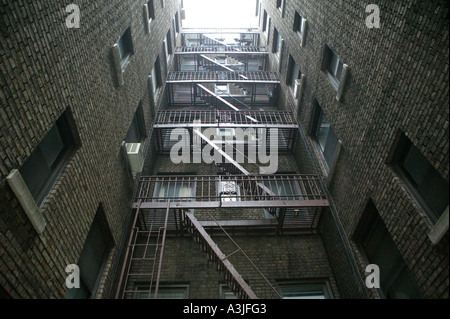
(359, 115)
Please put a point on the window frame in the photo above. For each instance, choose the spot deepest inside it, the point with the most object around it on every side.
(174, 184)
(151, 11)
(299, 27)
(162, 287)
(168, 49)
(224, 290)
(127, 47)
(316, 117)
(106, 233)
(156, 83)
(400, 149)
(366, 227)
(138, 121)
(290, 81)
(277, 44)
(68, 133)
(307, 285)
(265, 19)
(281, 5)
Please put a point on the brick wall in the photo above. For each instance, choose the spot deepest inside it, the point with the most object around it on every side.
(45, 68)
(398, 80)
(290, 258)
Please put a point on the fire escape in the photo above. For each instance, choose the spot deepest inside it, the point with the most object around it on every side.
(222, 85)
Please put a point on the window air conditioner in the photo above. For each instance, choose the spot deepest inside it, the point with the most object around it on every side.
(183, 14)
(135, 156)
(229, 191)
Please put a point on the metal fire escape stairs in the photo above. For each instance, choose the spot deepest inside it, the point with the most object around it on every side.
(146, 242)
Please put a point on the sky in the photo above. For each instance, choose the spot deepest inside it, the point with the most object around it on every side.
(220, 13)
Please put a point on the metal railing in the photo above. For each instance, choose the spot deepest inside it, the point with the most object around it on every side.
(222, 77)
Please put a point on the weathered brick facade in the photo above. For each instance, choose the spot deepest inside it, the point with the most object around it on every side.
(397, 80)
(46, 68)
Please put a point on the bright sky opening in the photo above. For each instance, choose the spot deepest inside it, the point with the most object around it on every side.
(220, 14)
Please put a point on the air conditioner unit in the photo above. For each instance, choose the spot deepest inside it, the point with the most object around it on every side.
(229, 191)
(135, 156)
(183, 14)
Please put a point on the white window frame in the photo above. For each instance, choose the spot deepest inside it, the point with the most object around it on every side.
(141, 289)
(307, 289)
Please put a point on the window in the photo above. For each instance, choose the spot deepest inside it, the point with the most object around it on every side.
(168, 45)
(125, 45)
(307, 289)
(333, 67)
(222, 89)
(264, 28)
(336, 71)
(177, 23)
(150, 10)
(325, 136)
(293, 74)
(285, 189)
(143, 291)
(137, 133)
(96, 250)
(378, 247)
(300, 27)
(174, 189)
(44, 165)
(277, 43)
(156, 77)
(225, 292)
(424, 183)
(281, 6)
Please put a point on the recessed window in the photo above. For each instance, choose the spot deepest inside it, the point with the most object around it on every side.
(308, 289)
(222, 89)
(144, 291)
(265, 17)
(225, 292)
(137, 133)
(325, 136)
(168, 45)
(176, 23)
(175, 190)
(300, 27)
(422, 180)
(44, 165)
(94, 255)
(333, 67)
(285, 190)
(277, 42)
(293, 74)
(156, 76)
(125, 45)
(378, 247)
(150, 10)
